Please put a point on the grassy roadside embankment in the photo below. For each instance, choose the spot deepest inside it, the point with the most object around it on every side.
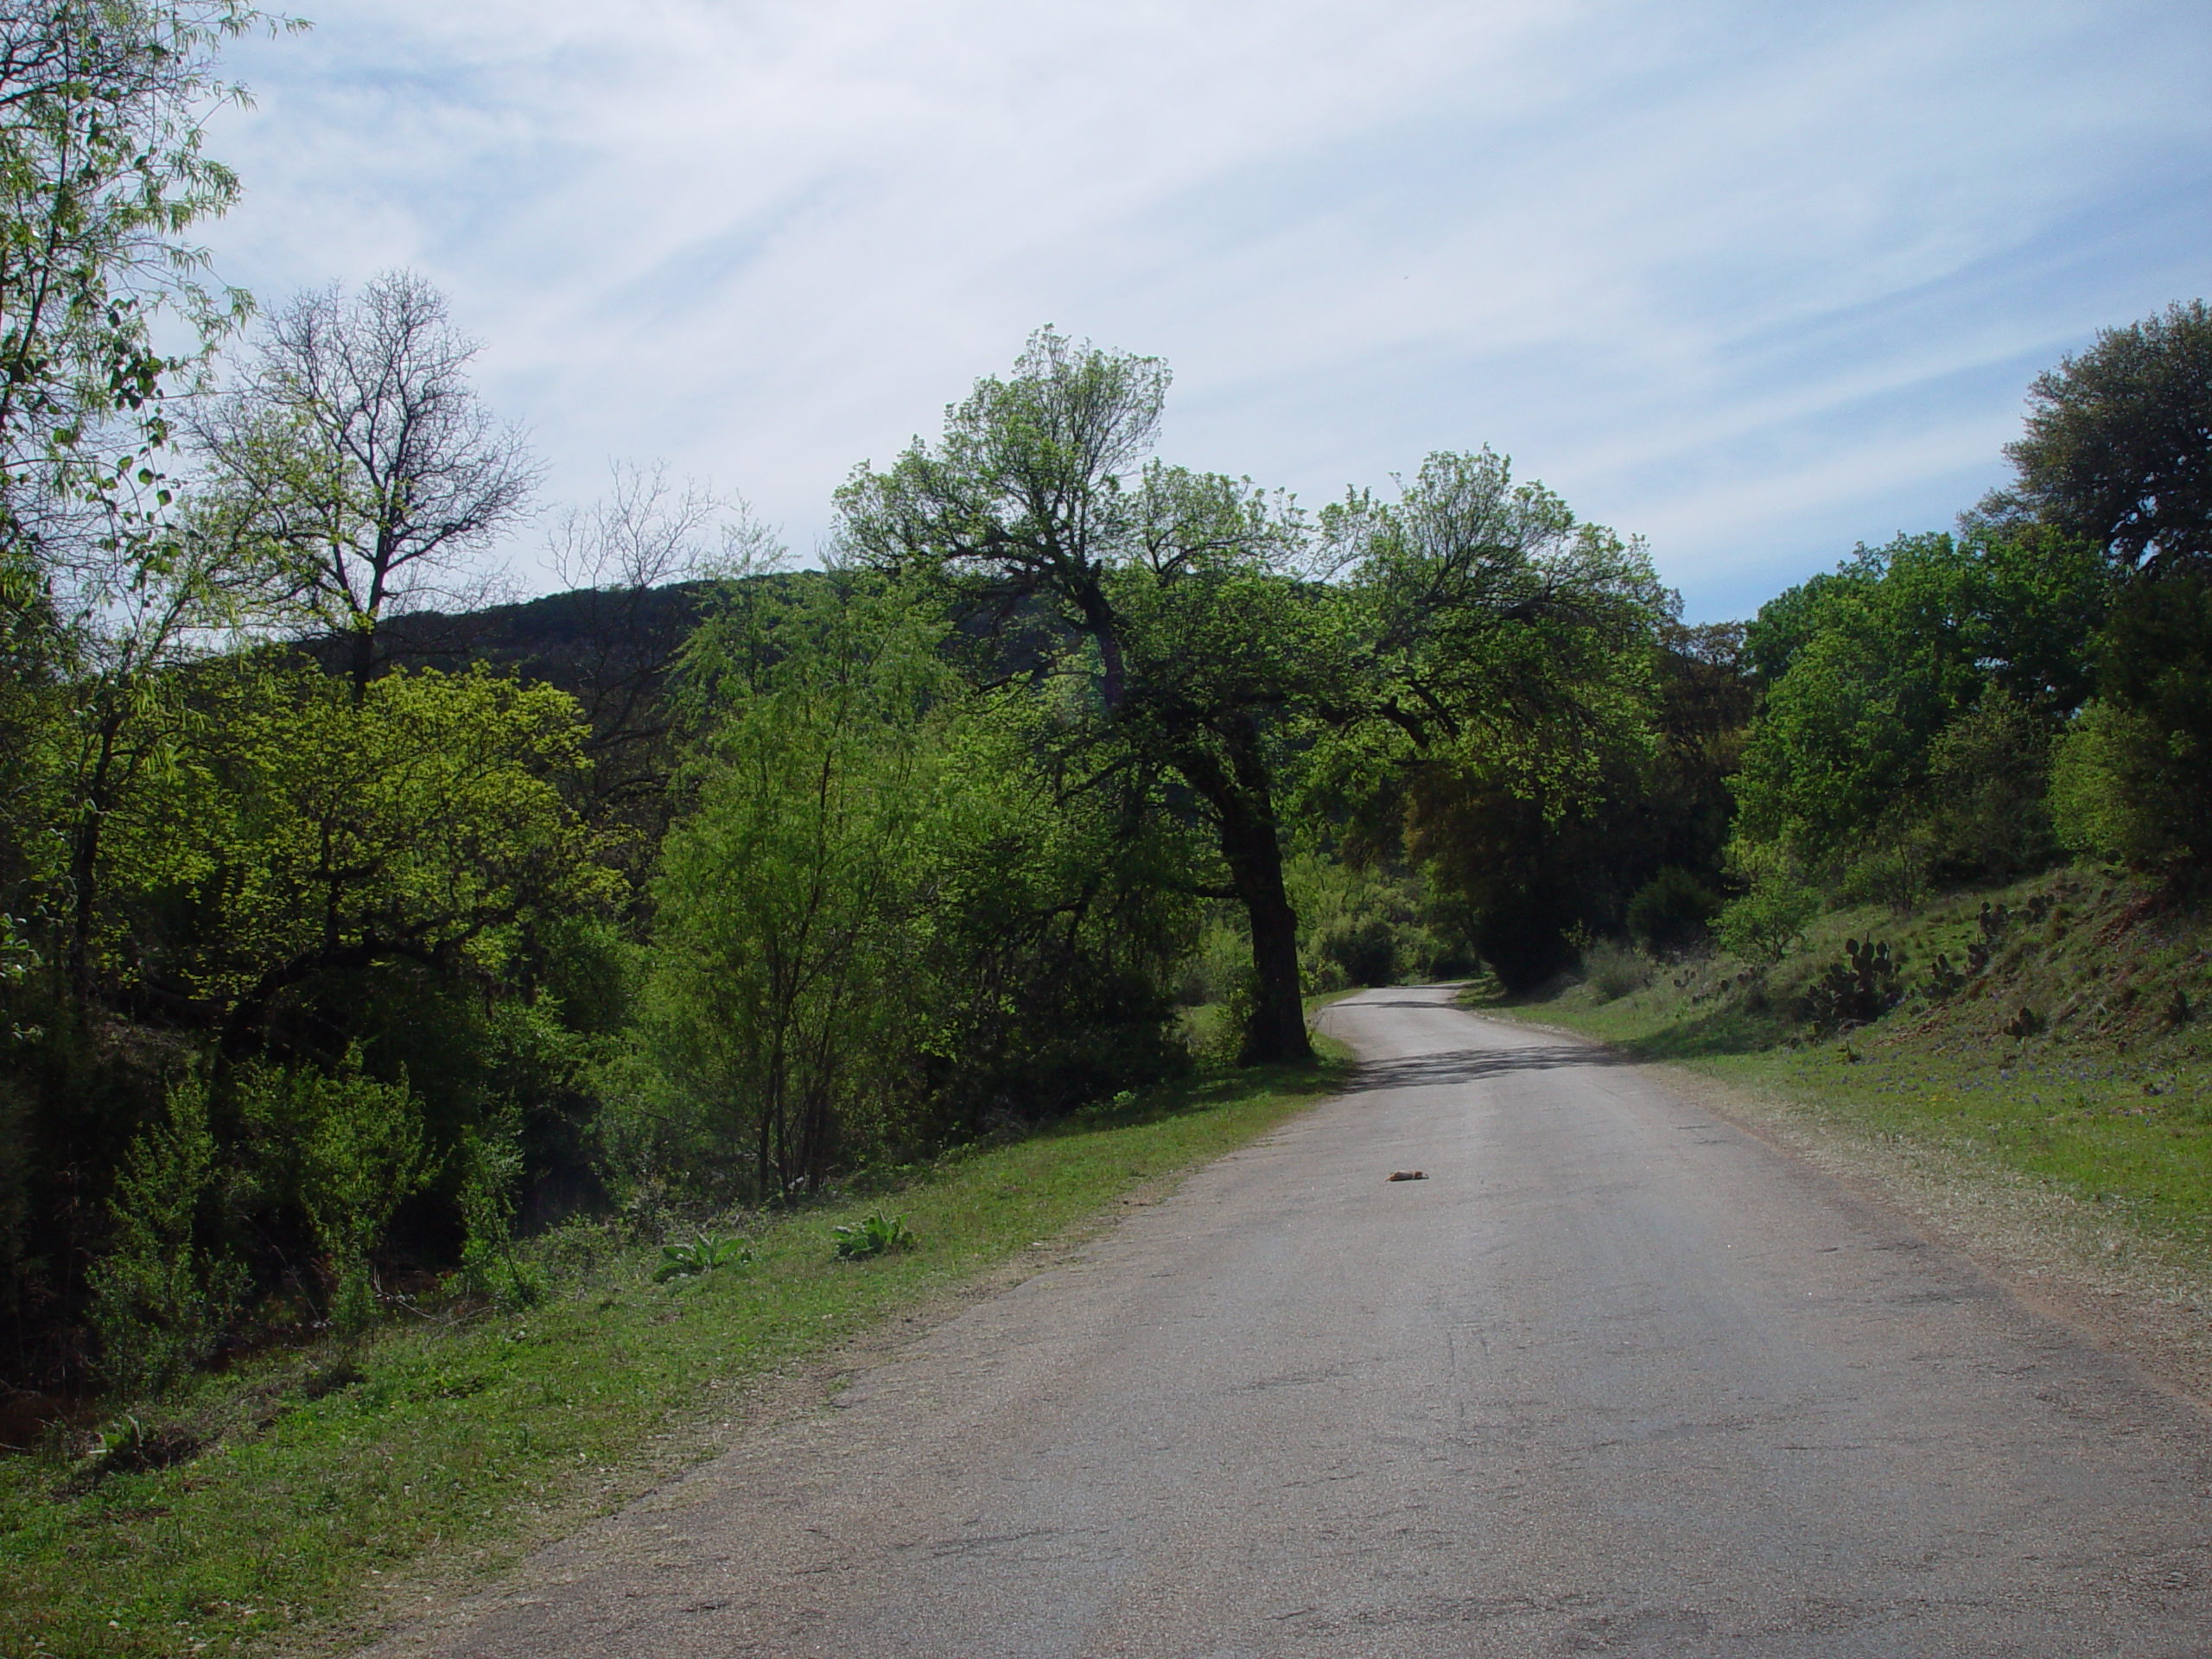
(2047, 1103)
(301, 1493)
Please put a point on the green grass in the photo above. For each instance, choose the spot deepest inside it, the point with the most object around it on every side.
(2110, 1102)
(448, 1449)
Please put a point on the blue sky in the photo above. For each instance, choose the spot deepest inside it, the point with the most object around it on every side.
(1754, 281)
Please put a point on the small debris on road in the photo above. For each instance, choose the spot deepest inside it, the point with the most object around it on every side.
(1408, 1175)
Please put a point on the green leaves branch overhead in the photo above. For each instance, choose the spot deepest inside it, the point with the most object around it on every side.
(103, 104)
(313, 832)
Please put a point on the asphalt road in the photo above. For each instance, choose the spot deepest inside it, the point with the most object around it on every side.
(1615, 1378)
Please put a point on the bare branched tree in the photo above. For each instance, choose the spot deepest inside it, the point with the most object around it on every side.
(634, 558)
(356, 449)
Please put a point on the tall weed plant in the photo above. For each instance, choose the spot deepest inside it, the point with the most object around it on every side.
(160, 1299)
(1762, 925)
(492, 1171)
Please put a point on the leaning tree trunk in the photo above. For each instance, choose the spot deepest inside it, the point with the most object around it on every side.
(1243, 807)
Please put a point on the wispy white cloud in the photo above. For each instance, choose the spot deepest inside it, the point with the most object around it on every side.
(1758, 282)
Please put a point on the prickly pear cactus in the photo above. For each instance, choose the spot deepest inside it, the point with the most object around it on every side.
(1867, 984)
(1944, 980)
(1994, 919)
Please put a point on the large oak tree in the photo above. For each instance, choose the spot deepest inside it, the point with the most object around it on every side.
(1203, 632)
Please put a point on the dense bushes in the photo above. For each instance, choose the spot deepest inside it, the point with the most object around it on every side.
(1370, 927)
(1913, 698)
(2134, 774)
(302, 978)
(883, 922)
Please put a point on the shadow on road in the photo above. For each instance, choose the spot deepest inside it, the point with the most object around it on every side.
(1399, 1002)
(1473, 1064)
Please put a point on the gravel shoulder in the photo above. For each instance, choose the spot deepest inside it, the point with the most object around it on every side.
(2131, 1293)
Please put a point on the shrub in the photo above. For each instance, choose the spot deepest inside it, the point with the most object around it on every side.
(2115, 790)
(1366, 927)
(1896, 876)
(874, 1234)
(1864, 986)
(702, 1256)
(356, 1154)
(2134, 774)
(1984, 816)
(1766, 921)
(492, 1171)
(159, 1301)
(1671, 910)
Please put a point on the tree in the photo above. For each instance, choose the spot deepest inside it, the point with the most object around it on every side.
(887, 917)
(2133, 776)
(160, 603)
(1883, 660)
(102, 103)
(624, 637)
(1160, 598)
(310, 833)
(102, 176)
(1192, 642)
(2118, 449)
(1505, 685)
(780, 957)
(356, 449)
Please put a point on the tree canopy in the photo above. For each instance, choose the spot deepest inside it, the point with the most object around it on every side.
(2118, 449)
(1187, 618)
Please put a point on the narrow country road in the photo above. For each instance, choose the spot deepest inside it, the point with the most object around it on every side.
(1614, 1378)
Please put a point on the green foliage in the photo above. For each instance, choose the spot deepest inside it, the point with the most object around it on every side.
(1672, 910)
(1762, 925)
(2115, 790)
(703, 1254)
(1520, 869)
(781, 971)
(1506, 633)
(1176, 617)
(1163, 620)
(957, 820)
(2118, 449)
(874, 1234)
(894, 915)
(316, 831)
(1982, 815)
(161, 1297)
(491, 1164)
(350, 1150)
(2134, 774)
(1885, 656)
(1613, 969)
(354, 1463)
(1368, 927)
(101, 113)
